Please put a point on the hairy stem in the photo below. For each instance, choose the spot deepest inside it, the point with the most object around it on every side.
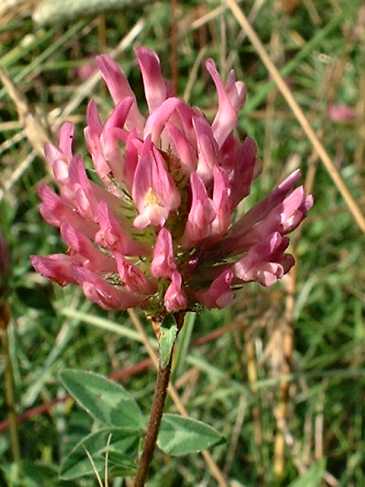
(162, 383)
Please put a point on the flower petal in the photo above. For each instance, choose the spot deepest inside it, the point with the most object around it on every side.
(226, 117)
(175, 298)
(155, 86)
(119, 89)
(201, 213)
(112, 236)
(85, 252)
(207, 148)
(154, 191)
(132, 277)
(219, 294)
(104, 294)
(163, 262)
(265, 262)
(57, 267)
(157, 120)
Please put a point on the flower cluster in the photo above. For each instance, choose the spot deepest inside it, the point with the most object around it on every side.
(157, 229)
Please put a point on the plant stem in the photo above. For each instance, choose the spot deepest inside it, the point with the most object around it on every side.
(9, 384)
(162, 383)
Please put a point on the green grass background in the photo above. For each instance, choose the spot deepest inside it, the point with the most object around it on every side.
(320, 47)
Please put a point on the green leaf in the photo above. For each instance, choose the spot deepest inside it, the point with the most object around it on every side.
(28, 474)
(179, 435)
(106, 401)
(168, 333)
(37, 297)
(313, 476)
(122, 451)
(39, 474)
(183, 344)
(120, 465)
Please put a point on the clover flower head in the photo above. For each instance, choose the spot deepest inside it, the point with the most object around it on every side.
(157, 230)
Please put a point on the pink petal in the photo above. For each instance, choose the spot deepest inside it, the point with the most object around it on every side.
(341, 113)
(175, 298)
(60, 158)
(131, 154)
(119, 89)
(162, 182)
(93, 119)
(84, 193)
(163, 262)
(283, 218)
(78, 189)
(236, 91)
(104, 294)
(112, 236)
(221, 203)
(92, 134)
(154, 84)
(286, 216)
(226, 118)
(58, 163)
(219, 294)
(201, 213)
(262, 209)
(119, 115)
(153, 191)
(55, 210)
(132, 277)
(183, 149)
(184, 121)
(265, 262)
(207, 148)
(66, 137)
(157, 120)
(85, 252)
(142, 180)
(57, 267)
(112, 151)
(52, 154)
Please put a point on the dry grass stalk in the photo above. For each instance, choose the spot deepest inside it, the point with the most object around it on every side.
(237, 428)
(11, 9)
(289, 6)
(287, 342)
(252, 379)
(299, 114)
(34, 128)
(360, 149)
(276, 49)
(173, 44)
